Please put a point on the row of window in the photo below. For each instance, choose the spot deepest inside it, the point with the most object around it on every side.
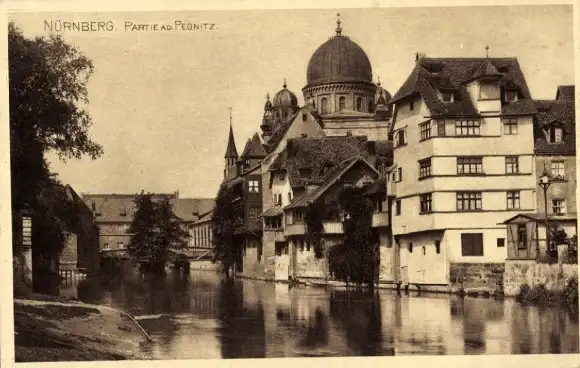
(472, 244)
(342, 104)
(474, 165)
(278, 198)
(472, 201)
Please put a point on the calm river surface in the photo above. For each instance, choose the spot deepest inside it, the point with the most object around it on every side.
(202, 317)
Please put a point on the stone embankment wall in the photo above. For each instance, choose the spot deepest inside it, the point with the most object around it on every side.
(554, 277)
(476, 277)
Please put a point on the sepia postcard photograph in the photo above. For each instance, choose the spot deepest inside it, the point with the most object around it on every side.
(283, 183)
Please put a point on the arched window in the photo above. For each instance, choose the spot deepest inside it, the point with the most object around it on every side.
(284, 115)
(324, 106)
(370, 106)
(359, 104)
(341, 103)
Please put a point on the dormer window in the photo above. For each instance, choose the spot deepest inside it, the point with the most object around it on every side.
(555, 134)
(510, 96)
(446, 96)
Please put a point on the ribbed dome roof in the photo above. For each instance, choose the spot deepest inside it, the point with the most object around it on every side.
(285, 98)
(339, 60)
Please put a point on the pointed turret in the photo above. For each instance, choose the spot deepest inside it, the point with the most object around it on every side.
(231, 155)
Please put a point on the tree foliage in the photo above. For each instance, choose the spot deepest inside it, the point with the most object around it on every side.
(223, 226)
(155, 231)
(47, 91)
(356, 259)
(315, 227)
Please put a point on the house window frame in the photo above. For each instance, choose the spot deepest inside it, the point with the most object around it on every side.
(425, 168)
(473, 164)
(558, 169)
(500, 242)
(446, 96)
(400, 138)
(441, 128)
(522, 230)
(512, 93)
(467, 128)
(512, 164)
(510, 126)
(398, 207)
(491, 96)
(470, 201)
(253, 186)
(472, 245)
(426, 203)
(558, 206)
(553, 130)
(425, 130)
(513, 198)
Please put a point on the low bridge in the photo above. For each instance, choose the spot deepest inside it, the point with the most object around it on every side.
(180, 254)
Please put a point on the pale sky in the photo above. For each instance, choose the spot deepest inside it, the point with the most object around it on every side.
(159, 100)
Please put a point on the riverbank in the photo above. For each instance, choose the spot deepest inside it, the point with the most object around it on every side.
(55, 329)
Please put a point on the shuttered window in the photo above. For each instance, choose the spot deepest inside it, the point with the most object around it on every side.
(472, 245)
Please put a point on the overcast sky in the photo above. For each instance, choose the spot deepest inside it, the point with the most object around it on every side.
(159, 100)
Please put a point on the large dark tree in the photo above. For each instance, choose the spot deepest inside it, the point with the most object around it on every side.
(47, 95)
(357, 258)
(222, 224)
(155, 232)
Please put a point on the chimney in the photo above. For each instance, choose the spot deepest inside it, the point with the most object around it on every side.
(419, 56)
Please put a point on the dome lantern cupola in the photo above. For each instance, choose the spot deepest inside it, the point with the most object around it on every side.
(284, 97)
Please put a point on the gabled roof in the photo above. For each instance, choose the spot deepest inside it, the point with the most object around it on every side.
(231, 150)
(330, 180)
(254, 148)
(555, 112)
(189, 209)
(310, 159)
(565, 93)
(450, 74)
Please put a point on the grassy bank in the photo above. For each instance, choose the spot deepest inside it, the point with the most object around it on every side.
(57, 330)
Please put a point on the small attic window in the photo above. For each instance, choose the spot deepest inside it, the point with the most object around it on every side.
(446, 96)
(304, 117)
(503, 69)
(510, 96)
(555, 134)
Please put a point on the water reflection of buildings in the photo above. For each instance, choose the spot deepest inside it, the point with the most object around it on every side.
(203, 317)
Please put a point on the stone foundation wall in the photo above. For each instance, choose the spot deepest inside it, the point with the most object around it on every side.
(476, 277)
(307, 265)
(553, 276)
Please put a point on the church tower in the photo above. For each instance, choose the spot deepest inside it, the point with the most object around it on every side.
(231, 155)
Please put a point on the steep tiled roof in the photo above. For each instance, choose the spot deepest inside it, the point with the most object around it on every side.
(330, 179)
(432, 74)
(120, 207)
(565, 93)
(384, 152)
(254, 148)
(556, 111)
(310, 159)
(279, 133)
(189, 209)
(231, 150)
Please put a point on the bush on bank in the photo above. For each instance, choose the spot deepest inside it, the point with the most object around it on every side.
(540, 295)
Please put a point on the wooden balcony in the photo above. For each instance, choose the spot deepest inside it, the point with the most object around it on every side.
(380, 219)
(298, 228)
(333, 227)
(330, 227)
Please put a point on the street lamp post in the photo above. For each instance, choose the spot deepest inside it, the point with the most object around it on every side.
(545, 182)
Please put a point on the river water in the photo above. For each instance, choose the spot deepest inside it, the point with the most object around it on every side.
(200, 316)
